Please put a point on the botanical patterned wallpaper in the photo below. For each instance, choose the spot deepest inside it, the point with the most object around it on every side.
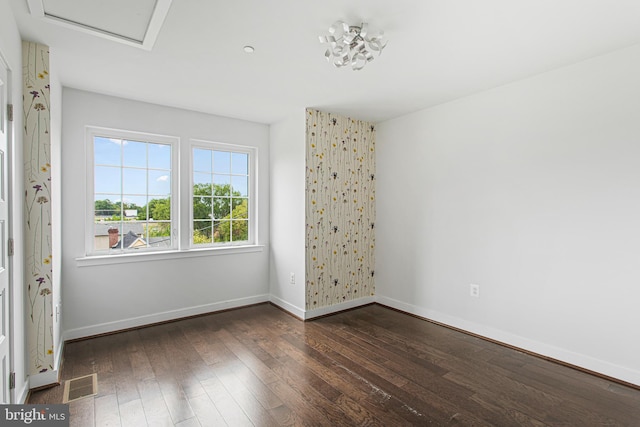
(37, 158)
(340, 209)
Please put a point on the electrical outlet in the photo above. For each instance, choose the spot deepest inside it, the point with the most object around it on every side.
(292, 278)
(474, 290)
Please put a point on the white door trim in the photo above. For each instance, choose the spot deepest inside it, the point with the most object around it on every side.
(9, 131)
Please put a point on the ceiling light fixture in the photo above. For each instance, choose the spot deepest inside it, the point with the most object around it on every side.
(352, 45)
(248, 49)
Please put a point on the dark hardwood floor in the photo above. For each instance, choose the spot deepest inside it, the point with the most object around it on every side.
(370, 366)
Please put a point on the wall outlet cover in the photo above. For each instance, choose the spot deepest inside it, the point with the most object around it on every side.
(474, 290)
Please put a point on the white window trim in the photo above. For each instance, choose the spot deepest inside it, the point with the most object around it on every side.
(253, 191)
(174, 142)
(165, 255)
(181, 229)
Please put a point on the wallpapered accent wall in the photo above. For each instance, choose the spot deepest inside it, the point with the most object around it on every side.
(37, 167)
(340, 209)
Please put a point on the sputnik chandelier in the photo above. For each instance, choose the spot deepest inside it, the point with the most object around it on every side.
(352, 45)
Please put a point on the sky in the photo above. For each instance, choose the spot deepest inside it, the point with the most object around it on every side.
(132, 170)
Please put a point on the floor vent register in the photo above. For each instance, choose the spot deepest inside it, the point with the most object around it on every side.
(81, 387)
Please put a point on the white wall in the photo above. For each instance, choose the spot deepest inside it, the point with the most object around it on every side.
(11, 51)
(110, 297)
(531, 191)
(287, 175)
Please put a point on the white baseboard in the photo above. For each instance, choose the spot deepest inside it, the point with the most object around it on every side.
(560, 354)
(150, 319)
(43, 379)
(323, 311)
(288, 307)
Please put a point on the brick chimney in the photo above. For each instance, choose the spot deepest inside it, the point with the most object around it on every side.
(114, 237)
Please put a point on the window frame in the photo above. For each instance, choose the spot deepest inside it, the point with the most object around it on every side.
(181, 217)
(174, 142)
(252, 173)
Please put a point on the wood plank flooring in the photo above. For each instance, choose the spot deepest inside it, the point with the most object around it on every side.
(371, 366)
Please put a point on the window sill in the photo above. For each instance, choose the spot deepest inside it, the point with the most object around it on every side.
(92, 260)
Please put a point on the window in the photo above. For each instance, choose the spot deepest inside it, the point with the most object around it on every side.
(141, 202)
(221, 195)
(133, 192)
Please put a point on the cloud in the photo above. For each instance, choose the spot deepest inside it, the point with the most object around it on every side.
(117, 141)
(163, 178)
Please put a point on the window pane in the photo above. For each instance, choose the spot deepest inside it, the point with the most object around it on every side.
(158, 234)
(159, 208)
(201, 160)
(134, 181)
(202, 178)
(134, 206)
(159, 182)
(143, 212)
(222, 184)
(202, 232)
(240, 163)
(240, 230)
(240, 208)
(107, 180)
(240, 186)
(221, 162)
(221, 193)
(131, 213)
(134, 198)
(106, 151)
(105, 208)
(202, 190)
(202, 207)
(103, 239)
(221, 231)
(135, 154)
(221, 207)
(125, 235)
(160, 156)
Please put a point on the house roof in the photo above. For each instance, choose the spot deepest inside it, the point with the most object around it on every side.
(128, 240)
(102, 228)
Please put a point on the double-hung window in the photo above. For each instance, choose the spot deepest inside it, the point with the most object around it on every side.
(222, 205)
(133, 192)
(142, 201)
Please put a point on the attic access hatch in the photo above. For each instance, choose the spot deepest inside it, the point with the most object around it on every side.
(135, 23)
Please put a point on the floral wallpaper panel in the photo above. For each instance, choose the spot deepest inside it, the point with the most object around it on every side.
(37, 167)
(340, 209)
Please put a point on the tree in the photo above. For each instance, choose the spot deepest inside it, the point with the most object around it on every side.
(200, 237)
(162, 229)
(236, 227)
(160, 209)
(105, 207)
(214, 203)
(114, 210)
